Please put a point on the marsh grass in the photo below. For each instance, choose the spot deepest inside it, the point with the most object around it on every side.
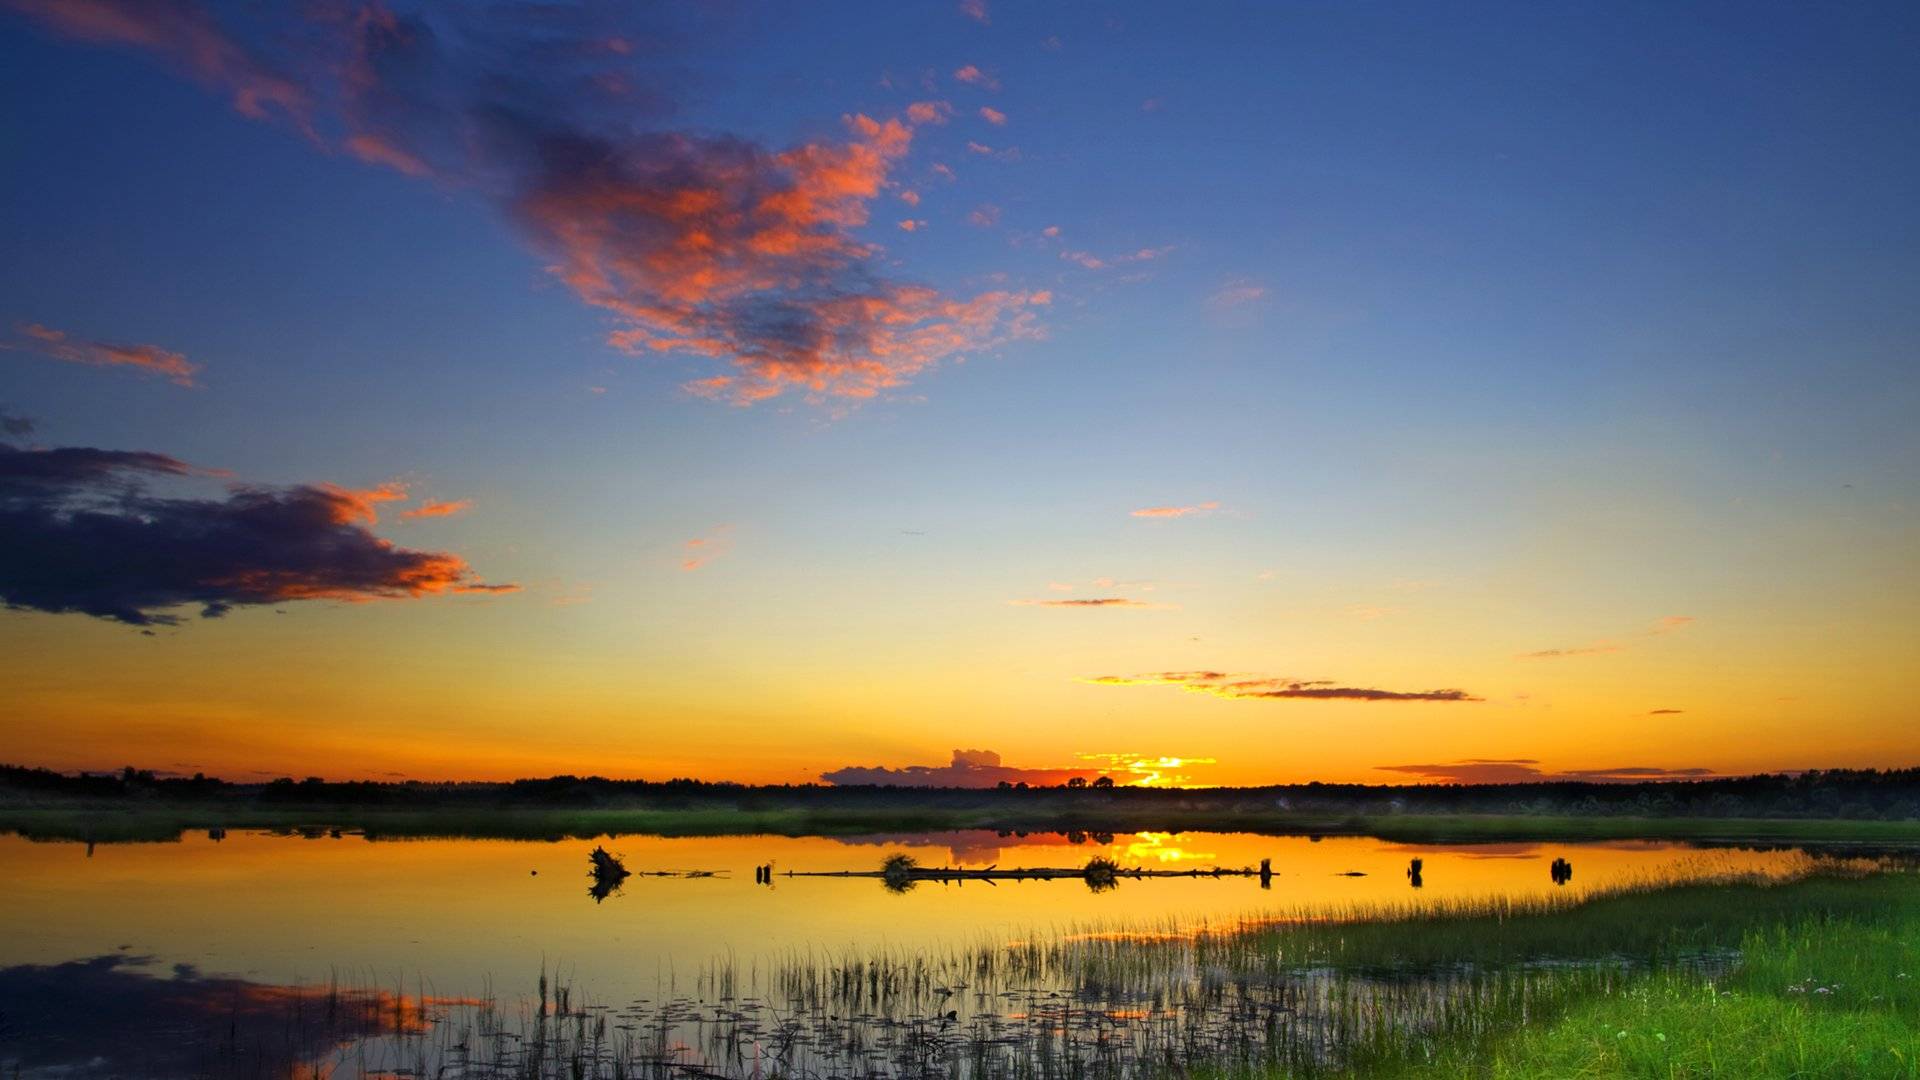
(1435, 989)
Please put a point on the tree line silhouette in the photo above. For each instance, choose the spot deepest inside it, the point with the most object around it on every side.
(1867, 794)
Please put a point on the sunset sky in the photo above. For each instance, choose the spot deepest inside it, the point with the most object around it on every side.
(1214, 394)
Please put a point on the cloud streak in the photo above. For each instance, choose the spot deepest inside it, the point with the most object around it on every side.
(1668, 624)
(1176, 511)
(60, 345)
(80, 533)
(1089, 602)
(1244, 687)
(433, 508)
(1528, 771)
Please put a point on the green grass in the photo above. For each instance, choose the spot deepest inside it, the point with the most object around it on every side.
(167, 821)
(1827, 986)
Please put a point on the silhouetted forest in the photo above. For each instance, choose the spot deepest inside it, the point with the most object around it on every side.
(1865, 794)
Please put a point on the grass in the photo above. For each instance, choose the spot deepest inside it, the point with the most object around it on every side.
(164, 822)
(1815, 997)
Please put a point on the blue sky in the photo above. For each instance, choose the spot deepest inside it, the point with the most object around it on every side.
(1596, 317)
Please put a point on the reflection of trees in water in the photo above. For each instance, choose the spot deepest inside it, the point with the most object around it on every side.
(107, 1016)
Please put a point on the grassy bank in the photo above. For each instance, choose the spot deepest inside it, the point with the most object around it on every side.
(1814, 997)
(116, 822)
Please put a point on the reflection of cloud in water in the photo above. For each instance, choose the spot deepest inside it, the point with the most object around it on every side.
(104, 1016)
(968, 847)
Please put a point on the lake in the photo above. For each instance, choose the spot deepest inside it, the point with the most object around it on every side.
(403, 935)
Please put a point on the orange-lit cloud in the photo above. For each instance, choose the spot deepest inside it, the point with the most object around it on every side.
(1150, 770)
(975, 10)
(433, 508)
(698, 244)
(1225, 685)
(993, 116)
(929, 112)
(350, 505)
(984, 217)
(61, 345)
(912, 224)
(973, 76)
(1175, 511)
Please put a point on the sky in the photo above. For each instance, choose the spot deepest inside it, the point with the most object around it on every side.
(955, 392)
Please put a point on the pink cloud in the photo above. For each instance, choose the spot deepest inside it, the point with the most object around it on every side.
(1175, 511)
(60, 345)
(973, 76)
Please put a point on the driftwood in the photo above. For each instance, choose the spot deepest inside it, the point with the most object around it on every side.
(1037, 873)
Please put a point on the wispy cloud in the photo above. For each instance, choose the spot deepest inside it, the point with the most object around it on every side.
(1596, 649)
(702, 550)
(973, 76)
(184, 35)
(60, 345)
(1666, 625)
(434, 508)
(1089, 261)
(1528, 771)
(1255, 687)
(993, 116)
(1175, 511)
(975, 10)
(1089, 602)
(1236, 294)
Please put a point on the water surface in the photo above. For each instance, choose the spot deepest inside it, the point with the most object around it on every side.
(249, 923)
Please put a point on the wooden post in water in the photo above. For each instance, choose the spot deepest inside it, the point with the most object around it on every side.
(1266, 873)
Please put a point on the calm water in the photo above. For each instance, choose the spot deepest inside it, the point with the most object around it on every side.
(249, 919)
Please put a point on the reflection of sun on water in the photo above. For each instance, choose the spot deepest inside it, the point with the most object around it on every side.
(1159, 847)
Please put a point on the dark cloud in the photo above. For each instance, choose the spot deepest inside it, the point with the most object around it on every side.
(968, 769)
(1527, 771)
(1666, 712)
(1221, 684)
(16, 425)
(79, 532)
